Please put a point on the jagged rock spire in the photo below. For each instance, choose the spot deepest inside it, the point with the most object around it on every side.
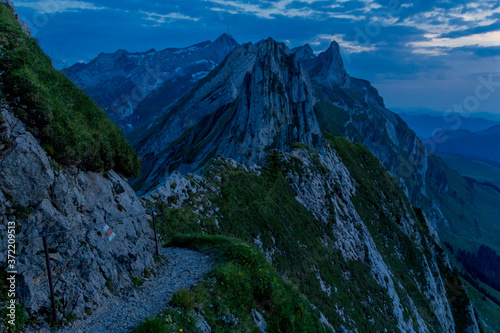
(329, 68)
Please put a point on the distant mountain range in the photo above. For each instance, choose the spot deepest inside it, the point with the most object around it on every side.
(436, 113)
(426, 126)
(134, 87)
(266, 96)
(480, 145)
(261, 97)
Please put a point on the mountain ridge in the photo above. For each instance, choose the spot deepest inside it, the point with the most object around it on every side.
(264, 94)
(480, 145)
(425, 125)
(353, 108)
(120, 81)
(289, 91)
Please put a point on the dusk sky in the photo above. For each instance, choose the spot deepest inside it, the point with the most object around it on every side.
(431, 54)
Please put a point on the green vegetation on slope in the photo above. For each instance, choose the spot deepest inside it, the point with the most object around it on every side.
(480, 171)
(484, 298)
(70, 126)
(469, 206)
(241, 281)
(262, 209)
(384, 219)
(489, 312)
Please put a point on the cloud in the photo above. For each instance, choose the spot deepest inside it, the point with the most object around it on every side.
(340, 10)
(488, 39)
(58, 6)
(307, 9)
(347, 16)
(279, 8)
(347, 46)
(166, 18)
(454, 19)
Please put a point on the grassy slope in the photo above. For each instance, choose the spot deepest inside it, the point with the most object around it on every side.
(241, 281)
(471, 208)
(383, 219)
(70, 126)
(478, 170)
(489, 312)
(264, 207)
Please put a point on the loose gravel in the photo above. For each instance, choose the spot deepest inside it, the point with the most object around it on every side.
(183, 269)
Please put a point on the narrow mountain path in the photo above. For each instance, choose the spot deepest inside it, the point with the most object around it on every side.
(182, 269)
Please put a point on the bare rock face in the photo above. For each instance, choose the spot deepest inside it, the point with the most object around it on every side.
(73, 207)
(259, 98)
(303, 53)
(357, 243)
(329, 68)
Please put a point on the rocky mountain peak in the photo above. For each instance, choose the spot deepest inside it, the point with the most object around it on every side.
(225, 39)
(271, 44)
(259, 98)
(329, 68)
(304, 53)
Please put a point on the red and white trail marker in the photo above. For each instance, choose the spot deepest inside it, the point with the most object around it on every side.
(108, 232)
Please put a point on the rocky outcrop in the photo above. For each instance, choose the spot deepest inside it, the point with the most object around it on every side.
(259, 321)
(264, 97)
(351, 107)
(75, 209)
(304, 54)
(135, 87)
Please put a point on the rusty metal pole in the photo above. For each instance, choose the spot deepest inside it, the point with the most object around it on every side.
(49, 273)
(156, 237)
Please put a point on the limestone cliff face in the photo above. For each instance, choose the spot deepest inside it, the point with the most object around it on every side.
(329, 69)
(353, 108)
(357, 240)
(73, 207)
(258, 99)
(266, 98)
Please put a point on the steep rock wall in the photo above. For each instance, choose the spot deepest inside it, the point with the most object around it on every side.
(73, 207)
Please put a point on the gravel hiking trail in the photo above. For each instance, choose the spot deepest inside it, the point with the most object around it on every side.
(182, 269)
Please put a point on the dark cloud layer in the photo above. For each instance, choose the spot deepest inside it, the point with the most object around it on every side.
(419, 54)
